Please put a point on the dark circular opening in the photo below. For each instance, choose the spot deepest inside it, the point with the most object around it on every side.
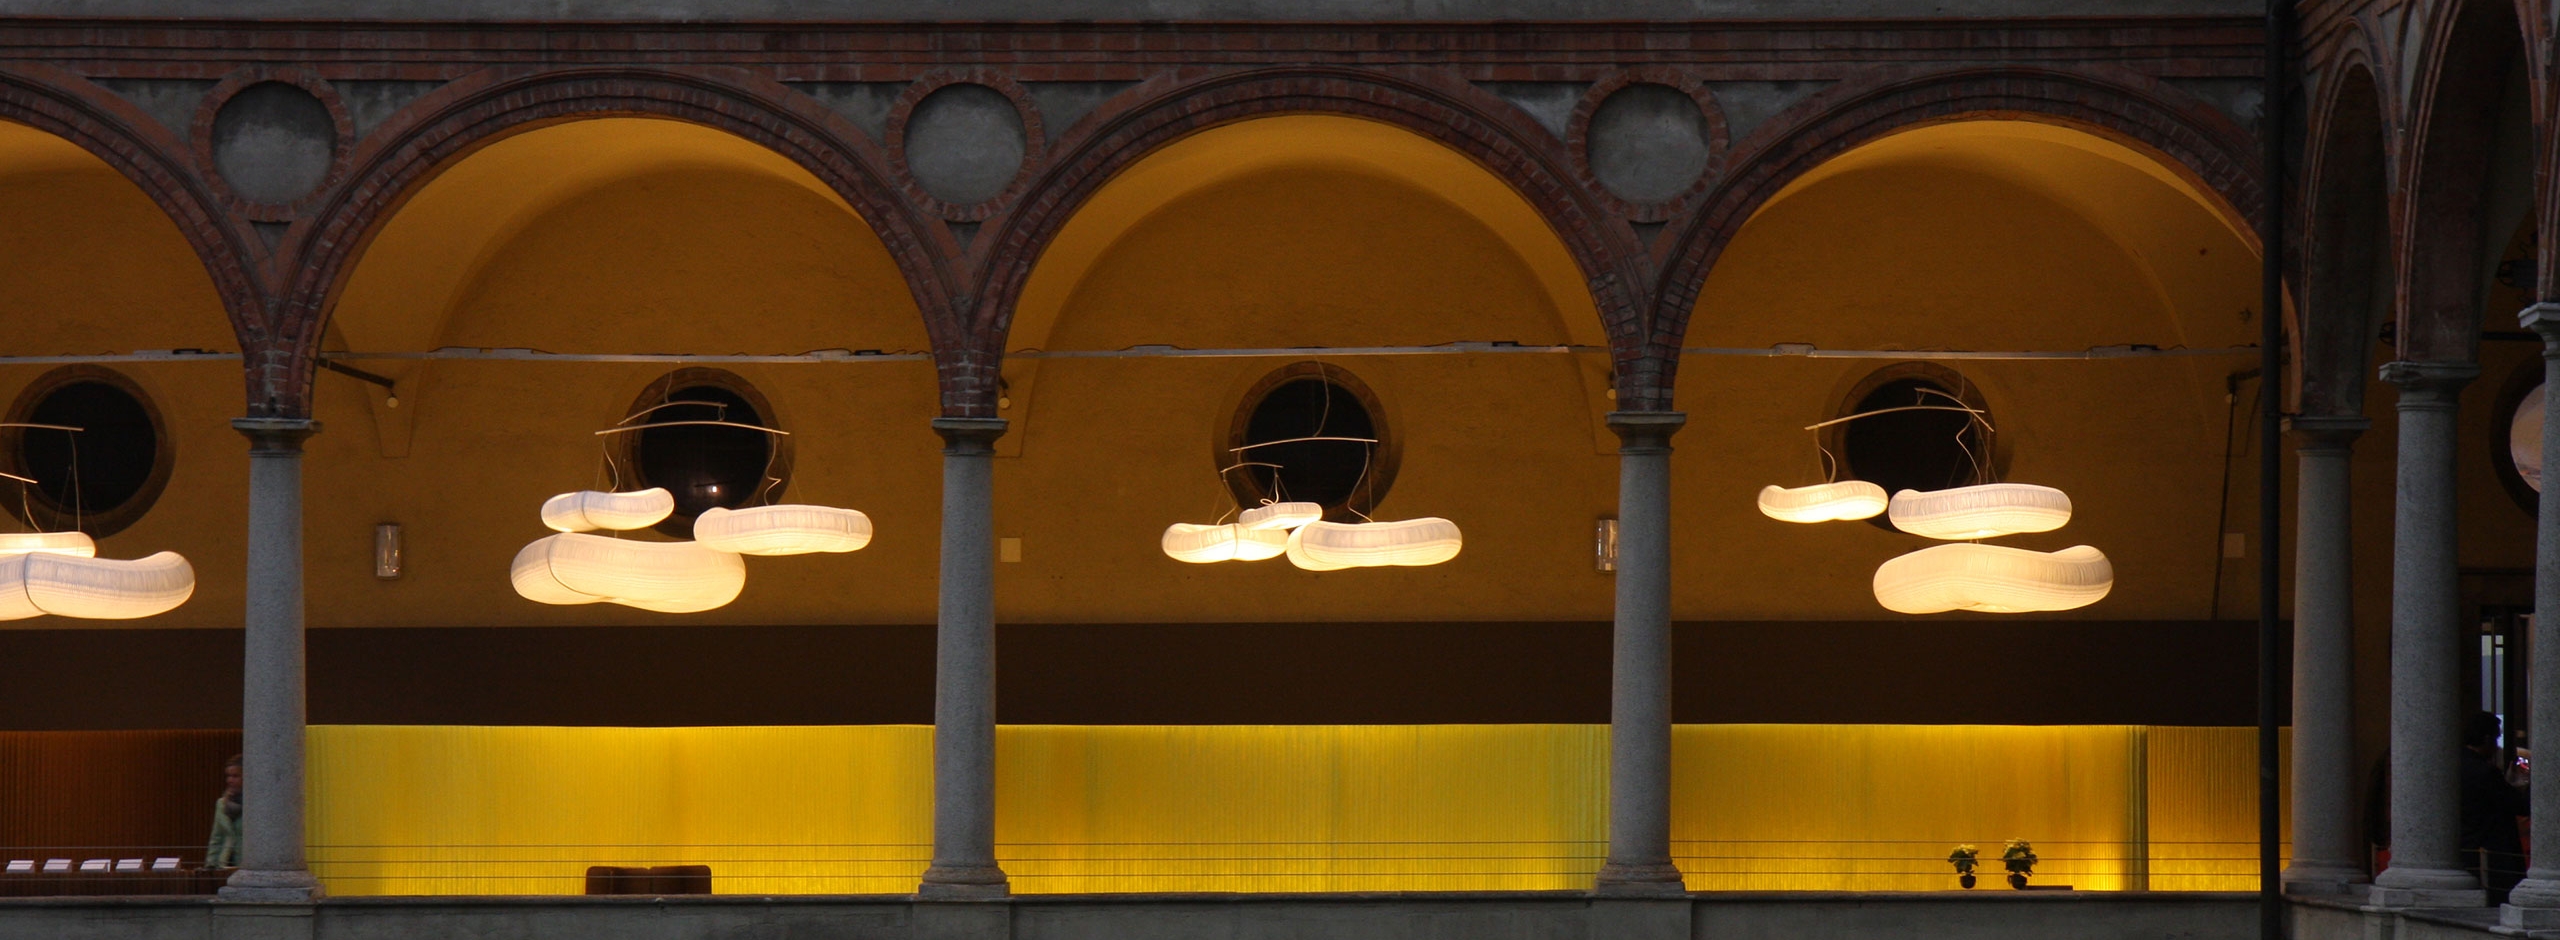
(1925, 448)
(97, 479)
(702, 465)
(1337, 474)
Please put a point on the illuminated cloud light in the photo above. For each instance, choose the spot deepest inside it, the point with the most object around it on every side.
(38, 583)
(1993, 579)
(589, 510)
(1329, 546)
(1280, 515)
(667, 577)
(789, 529)
(1824, 502)
(1980, 512)
(47, 543)
(1206, 544)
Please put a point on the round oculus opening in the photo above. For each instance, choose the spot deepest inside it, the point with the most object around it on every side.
(687, 445)
(99, 479)
(1914, 434)
(1310, 433)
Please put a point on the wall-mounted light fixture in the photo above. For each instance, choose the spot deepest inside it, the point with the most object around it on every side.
(386, 551)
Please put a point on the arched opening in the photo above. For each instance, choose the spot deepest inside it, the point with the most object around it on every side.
(93, 265)
(1302, 232)
(1981, 236)
(610, 237)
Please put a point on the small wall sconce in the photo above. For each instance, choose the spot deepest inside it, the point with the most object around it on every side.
(1604, 545)
(386, 551)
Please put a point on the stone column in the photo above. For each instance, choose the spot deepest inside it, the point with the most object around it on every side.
(272, 868)
(2426, 698)
(964, 674)
(1639, 861)
(2326, 857)
(2535, 903)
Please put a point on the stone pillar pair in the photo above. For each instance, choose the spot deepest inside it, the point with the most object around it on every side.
(2427, 868)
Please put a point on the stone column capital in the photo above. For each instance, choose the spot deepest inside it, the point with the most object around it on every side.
(2322, 433)
(2543, 318)
(275, 437)
(2429, 384)
(1646, 432)
(963, 437)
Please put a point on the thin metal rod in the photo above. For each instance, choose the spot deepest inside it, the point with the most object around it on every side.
(654, 409)
(1222, 471)
(11, 476)
(680, 424)
(2275, 122)
(356, 373)
(1782, 350)
(1880, 411)
(41, 427)
(1302, 440)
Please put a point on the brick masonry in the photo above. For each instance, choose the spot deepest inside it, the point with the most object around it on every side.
(2126, 78)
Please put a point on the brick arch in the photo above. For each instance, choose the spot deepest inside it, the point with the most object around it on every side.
(2443, 175)
(2185, 134)
(1497, 136)
(474, 111)
(135, 145)
(2347, 201)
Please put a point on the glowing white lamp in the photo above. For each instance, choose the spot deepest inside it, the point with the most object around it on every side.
(1204, 544)
(2524, 439)
(1411, 542)
(1823, 502)
(47, 543)
(1993, 578)
(667, 577)
(788, 529)
(1280, 515)
(589, 510)
(37, 583)
(1980, 512)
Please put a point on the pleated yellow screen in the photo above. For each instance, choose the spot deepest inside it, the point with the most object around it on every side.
(834, 810)
(517, 810)
(1880, 807)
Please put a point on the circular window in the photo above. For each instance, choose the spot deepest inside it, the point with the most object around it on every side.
(692, 443)
(1309, 433)
(1915, 433)
(97, 479)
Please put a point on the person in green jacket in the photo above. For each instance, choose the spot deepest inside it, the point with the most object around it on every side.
(223, 849)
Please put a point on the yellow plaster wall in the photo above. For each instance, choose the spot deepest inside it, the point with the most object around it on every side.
(468, 810)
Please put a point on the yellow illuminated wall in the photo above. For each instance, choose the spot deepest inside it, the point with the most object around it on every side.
(476, 810)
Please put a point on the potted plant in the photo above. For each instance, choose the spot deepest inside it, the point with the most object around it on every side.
(2020, 859)
(1964, 859)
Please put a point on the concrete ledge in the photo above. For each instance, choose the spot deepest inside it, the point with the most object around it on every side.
(1555, 915)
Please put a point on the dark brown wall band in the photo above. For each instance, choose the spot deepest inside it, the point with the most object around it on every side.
(1973, 672)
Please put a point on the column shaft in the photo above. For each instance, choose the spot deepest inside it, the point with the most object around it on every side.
(272, 866)
(2426, 707)
(2535, 903)
(964, 692)
(1639, 860)
(2326, 858)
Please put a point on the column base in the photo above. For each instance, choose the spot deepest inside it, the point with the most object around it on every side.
(252, 886)
(2323, 880)
(2405, 887)
(1658, 880)
(964, 883)
(2532, 920)
(2539, 890)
